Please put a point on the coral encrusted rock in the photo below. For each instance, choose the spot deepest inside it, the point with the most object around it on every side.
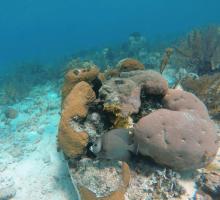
(177, 139)
(75, 107)
(122, 95)
(151, 81)
(123, 92)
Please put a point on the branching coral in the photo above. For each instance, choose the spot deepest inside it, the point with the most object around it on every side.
(200, 51)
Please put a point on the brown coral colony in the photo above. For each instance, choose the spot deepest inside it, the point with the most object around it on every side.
(171, 126)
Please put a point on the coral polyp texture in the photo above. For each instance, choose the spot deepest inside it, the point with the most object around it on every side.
(179, 100)
(74, 76)
(177, 139)
(129, 64)
(131, 117)
(75, 106)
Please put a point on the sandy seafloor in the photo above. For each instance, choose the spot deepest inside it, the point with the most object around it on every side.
(30, 165)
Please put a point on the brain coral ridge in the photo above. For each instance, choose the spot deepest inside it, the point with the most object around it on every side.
(75, 105)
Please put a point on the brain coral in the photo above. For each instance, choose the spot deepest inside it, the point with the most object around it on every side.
(180, 100)
(129, 64)
(177, 139)
(75, 106)
(74, 76)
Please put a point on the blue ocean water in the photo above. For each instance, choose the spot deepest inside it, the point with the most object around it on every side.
(48, 30)
(40, 40)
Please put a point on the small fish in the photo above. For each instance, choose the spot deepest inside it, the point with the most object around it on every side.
(116, 144)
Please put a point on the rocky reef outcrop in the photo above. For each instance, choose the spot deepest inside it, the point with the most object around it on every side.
(132, 115)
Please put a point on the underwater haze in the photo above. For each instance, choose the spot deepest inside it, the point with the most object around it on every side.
(105, 99)
(47, 30)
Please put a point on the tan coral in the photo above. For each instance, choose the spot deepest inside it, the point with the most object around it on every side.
(120, 121)
(74, 76)
(86, 194)
(129, 64)
(75, 105)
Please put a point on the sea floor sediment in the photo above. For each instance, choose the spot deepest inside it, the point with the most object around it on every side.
(30, 166)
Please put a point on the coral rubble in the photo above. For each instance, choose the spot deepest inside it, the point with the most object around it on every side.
(209, 182)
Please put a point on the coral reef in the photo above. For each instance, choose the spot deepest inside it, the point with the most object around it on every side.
(200, 50)
(175, 146)
(171, 139)
(75, 106)
(74, 76)
(129, 64)
(179, 100)
(122, 95)
(130, 114)
(207, 88)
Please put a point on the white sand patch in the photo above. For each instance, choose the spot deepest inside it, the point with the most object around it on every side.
(28, 153)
